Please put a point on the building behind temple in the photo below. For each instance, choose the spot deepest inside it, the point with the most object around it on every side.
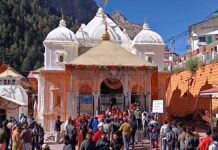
(203, 41)
(14, 94)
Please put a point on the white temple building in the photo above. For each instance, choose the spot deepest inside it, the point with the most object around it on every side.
(62, 46)
(59, 43)
(13, 96)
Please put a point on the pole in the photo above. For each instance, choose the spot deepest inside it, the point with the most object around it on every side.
(150, 141)
(211, 115)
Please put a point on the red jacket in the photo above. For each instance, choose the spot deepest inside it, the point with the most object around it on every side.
(96, 137)
(204, 145)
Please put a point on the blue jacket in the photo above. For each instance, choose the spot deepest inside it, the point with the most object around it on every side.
(95, 125)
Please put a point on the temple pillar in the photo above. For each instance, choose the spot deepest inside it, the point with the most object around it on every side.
(96, 97)
(41, 100)
(69, 104)
(75, 104)
(125, 91)
(129, 98)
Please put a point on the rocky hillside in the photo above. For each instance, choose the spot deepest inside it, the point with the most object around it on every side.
(132, 28)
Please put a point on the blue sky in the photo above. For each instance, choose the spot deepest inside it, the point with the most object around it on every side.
(167, 17)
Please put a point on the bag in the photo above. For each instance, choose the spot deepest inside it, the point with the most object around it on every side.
(175, 131)
(190, 143)
(170, 137)
(196, 141)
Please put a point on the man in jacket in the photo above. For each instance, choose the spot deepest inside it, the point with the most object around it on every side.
(97, 135)
(126, 130)
(204, 145)
(71, 132)
(88, 144)
(57, 129)
(214, 144)
(170, 138)
(103, 143)
(163, 130)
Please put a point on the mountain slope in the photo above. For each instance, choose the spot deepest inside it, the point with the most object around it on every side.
(81, 10)
(131, 28)
(24, 25)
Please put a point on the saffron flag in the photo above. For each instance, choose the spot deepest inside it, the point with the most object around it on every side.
(106, 2)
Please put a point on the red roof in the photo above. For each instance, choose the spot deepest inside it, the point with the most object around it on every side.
(167, 52)
(212, 90)
(167, 60)
(3, 67)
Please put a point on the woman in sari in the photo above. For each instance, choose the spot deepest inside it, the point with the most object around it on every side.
(16, 139)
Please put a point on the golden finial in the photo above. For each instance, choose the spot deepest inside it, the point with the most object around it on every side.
(106, 35)
(62, 14)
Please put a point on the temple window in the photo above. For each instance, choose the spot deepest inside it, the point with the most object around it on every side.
(216, 37)
(202, 39)
(150, 59)
(215, 49)
(57, 102)
(61, 58)
(5, 82)
(13, 82)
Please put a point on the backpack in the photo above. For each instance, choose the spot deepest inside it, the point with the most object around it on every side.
(170, 137)
(214, 145)
(175, 131)
(134, 126)
(190, 142)
(196, 141)
(116, 127)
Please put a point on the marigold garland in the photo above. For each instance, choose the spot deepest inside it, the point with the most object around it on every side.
(113, 67)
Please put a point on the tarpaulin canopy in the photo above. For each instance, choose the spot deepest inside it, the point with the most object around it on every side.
(213, 92)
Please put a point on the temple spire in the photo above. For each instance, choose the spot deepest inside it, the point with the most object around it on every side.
(145, 26)
(62, 14)
(106, 35)
(62, 22)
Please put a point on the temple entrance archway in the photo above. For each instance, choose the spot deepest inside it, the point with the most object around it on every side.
(111, 94)
(137, 96)
(86, 100)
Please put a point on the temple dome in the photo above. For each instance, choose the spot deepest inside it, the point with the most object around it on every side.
(125, 36)
(147, 36)
(61, 33)
(81, 34)
(96, 27)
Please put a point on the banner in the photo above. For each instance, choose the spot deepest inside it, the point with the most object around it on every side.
(86, 104)
(158, 106)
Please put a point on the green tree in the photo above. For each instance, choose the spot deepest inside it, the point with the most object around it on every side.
(193, 64)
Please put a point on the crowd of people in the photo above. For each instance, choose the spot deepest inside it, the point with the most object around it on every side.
(117, 130)
(111, 130)
(21, 134)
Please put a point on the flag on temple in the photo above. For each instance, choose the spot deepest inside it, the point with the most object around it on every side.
(106, 2)
(103, 1)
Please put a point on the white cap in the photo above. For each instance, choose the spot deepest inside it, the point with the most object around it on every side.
(100, 124)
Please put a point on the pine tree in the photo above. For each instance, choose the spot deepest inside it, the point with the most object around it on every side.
(24, 25)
